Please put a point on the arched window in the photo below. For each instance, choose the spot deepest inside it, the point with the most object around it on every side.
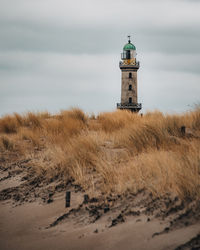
(130, 87)
(130, 100)
(130, 75)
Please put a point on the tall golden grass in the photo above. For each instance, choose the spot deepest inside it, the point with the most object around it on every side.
(113, 152)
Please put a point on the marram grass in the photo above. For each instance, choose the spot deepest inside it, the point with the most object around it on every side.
(113, 152)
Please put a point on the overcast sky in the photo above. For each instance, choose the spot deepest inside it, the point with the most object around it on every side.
(57, 54)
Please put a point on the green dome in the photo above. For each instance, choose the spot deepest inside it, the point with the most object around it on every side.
(129, 46)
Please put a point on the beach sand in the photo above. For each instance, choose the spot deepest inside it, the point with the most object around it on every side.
(34, 216)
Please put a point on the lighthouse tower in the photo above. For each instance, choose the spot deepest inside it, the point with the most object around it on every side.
(129, 67)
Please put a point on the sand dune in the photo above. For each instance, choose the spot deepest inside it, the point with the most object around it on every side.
(133, 222)
(134, 181)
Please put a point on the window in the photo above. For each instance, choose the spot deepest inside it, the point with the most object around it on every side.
(130, 100)
(130, 75)
(130, 87)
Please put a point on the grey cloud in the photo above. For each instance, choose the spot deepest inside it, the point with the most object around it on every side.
(33, 37)
(168, 91)
(60, 81)
(182, 63)
(100, 26)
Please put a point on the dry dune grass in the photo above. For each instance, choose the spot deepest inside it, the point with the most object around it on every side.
(160, 172)
(111, 122)
(6, 143)
(113, 152)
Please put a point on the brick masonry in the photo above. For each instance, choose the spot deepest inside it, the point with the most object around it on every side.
(126, 91)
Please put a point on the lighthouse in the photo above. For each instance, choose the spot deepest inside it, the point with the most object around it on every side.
(129, 67)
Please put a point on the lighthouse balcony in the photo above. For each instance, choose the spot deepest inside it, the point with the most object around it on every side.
(134, 107)
(126, 64)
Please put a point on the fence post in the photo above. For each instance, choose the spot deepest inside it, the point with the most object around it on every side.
(183, 130)
(67, 199)
(86, 198)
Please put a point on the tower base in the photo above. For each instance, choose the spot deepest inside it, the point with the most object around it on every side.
(133, 107)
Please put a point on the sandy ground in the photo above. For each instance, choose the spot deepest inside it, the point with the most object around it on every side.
(33, 216)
